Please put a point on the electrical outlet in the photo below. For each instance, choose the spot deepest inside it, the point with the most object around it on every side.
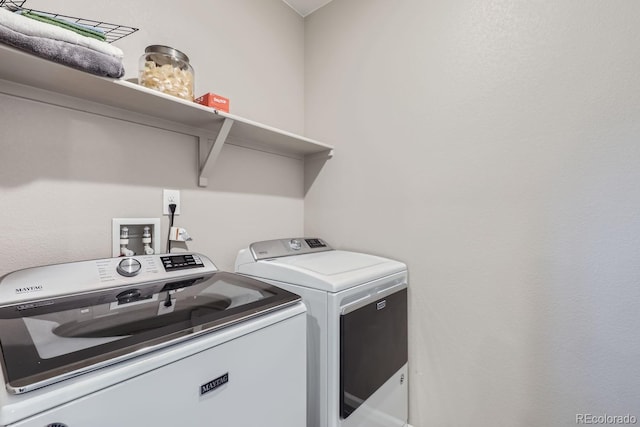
(169, 197)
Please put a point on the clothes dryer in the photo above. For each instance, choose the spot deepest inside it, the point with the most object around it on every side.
(357, 328)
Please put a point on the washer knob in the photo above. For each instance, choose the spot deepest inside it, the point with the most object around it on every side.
(295, 244)
(129, 267)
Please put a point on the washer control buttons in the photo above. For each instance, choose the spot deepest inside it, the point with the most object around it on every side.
(180, 262)
(129, 267)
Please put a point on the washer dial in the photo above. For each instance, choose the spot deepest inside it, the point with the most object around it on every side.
(129, 267)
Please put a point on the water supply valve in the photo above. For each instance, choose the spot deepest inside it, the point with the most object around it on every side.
(124, 241)
(146, 241)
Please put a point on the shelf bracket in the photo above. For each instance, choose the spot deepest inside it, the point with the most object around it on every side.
(322, 155)
(210, 150)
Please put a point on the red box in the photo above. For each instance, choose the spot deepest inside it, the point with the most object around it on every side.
(216, 101)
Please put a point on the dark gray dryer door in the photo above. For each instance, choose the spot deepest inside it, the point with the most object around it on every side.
(373, 347)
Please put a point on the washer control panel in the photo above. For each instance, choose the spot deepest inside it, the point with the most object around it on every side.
(181, 262)
(286, 247)
(50, 281)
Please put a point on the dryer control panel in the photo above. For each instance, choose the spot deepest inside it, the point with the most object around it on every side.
(286, 247)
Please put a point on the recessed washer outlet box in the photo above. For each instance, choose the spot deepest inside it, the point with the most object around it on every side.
(135, 228)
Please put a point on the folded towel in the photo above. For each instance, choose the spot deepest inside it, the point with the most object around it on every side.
(30, 27)
(75, 56)
(85, 26)
(82, 30)
(63, 19)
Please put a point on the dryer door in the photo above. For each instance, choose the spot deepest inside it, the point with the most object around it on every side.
(373, 347)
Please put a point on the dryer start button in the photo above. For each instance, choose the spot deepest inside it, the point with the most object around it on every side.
(295, 244)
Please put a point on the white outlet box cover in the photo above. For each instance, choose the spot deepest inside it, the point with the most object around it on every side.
(169, 196)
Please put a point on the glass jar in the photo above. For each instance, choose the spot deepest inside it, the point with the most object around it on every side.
(167, 70)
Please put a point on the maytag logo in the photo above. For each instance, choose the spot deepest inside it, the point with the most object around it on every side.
(27, 289)
(214, 384)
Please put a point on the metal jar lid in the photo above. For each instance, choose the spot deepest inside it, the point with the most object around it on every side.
(165, 50)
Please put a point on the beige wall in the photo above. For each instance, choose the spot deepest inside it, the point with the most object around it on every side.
(493, 146)
(65, 174)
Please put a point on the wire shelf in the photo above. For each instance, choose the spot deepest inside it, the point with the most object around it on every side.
(112, 32)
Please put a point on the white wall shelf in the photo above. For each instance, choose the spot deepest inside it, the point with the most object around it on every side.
(28, 76)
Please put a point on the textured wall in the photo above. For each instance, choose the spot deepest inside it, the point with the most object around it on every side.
(493, 146)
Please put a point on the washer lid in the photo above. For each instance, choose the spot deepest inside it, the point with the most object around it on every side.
(49, 340)
(332, 270)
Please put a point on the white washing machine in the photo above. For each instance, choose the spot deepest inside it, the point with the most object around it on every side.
(160, 340)
(357, 328)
